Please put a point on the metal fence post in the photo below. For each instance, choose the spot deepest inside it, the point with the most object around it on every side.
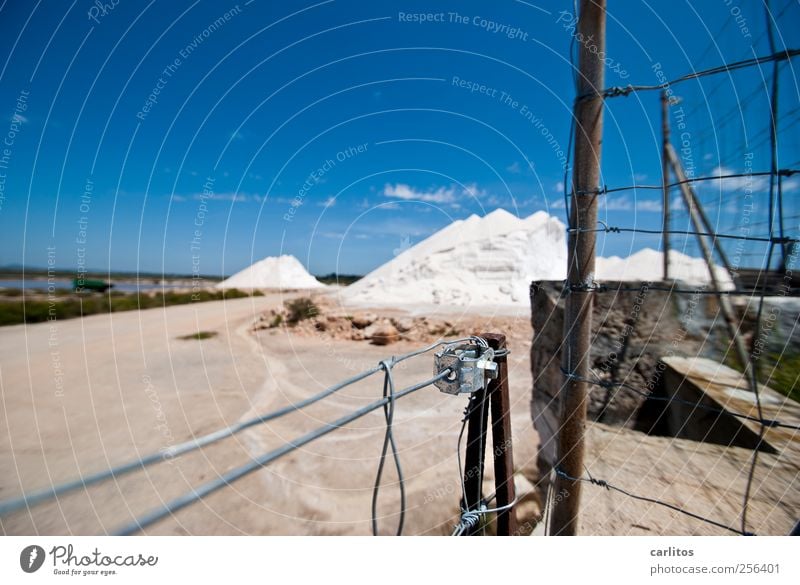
(500, 401)
(494, 398)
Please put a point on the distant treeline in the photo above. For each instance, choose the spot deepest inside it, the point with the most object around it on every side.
(19, 272)
(14, 311)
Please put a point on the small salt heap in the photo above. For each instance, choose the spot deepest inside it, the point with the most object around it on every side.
(283, 272)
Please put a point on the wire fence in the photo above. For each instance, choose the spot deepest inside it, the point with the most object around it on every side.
(767, 210)
(387, 402)
(775, 234)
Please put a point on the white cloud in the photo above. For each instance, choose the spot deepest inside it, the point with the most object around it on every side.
(237, 197)
(624, 203)
(620, 203)
(472, 190)
(747, 182)
(514, 168)
(443, 195)
(329, 202)
(407, 193)
(649, 205)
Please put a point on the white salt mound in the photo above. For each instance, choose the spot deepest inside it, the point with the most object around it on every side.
(273, 272)
(476, 261)
(492, 260)
(648, 264)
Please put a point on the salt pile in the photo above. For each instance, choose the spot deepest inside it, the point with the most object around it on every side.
(476, 261)
(648, 264)
(273, 272)
(492, 260)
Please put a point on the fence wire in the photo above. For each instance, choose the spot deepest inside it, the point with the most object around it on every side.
(386, 402)
(776, 235)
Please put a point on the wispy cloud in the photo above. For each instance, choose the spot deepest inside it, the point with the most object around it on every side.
(228, 196)
(329, 202)
(649, 205)
(443, 195)
(408, 193)
(747, 182)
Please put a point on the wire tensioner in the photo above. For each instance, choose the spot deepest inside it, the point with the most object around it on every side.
(471, 364)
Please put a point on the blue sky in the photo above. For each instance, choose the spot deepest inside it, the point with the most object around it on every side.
(172, 136)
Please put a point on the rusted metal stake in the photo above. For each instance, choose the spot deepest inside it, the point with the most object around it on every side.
(494, 398)
(477, 423)
(500, 401)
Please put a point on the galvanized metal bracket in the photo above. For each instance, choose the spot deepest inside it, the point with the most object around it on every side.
(471, 366)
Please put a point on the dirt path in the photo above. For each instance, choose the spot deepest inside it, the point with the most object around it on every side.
(112, 388)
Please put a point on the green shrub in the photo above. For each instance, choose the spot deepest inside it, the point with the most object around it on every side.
(199, 335)
(16, 309)
(300, 309)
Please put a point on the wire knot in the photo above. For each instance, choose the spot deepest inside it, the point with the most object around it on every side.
(600, 482)
(617, 91)
(585, 287)
(600, 190)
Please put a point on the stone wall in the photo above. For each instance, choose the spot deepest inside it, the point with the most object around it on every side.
(632, 329)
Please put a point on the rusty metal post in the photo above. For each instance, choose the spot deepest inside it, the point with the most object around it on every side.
(665, 176)
(581, 269)
(500, 401)
(493, 398)
(477, 424)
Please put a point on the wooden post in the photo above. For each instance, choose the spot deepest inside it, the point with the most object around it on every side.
(581, 269)
(665, 176)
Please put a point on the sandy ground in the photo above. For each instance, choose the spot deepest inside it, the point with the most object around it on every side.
(88, 393)
(701, 478)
